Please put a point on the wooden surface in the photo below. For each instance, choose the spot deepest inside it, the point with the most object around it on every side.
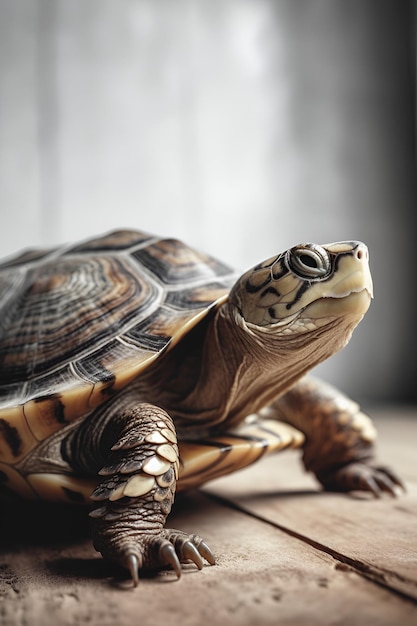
(286, 554)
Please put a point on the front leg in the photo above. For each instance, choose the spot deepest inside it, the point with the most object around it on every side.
(136, 455)
(340, 438)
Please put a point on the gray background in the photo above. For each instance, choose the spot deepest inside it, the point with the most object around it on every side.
(241, 126)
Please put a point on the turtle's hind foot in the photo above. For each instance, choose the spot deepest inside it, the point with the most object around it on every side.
(362, 477)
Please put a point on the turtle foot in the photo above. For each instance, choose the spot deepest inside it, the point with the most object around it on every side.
(363, 477)
(135, 494)
(139, 550)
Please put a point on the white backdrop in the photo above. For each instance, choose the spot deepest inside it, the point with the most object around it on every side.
(241, 126)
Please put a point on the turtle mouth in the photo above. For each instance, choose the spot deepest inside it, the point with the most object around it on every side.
(354, 303)
(349, 296)
(355, 282)
(322, 312)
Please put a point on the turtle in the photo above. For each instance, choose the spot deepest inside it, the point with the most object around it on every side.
(133, 366)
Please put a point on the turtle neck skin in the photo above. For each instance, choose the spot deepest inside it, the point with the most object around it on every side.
(225, 369)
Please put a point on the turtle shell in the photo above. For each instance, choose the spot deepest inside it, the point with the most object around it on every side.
(79, 322)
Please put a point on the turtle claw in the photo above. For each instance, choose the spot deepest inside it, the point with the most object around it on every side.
(190, 552)
(370, 484)
(169, 557)
(363, 477)
(205, 551)
(383, 484)
(132, 565)
(381, 480)
(392, 477)
(190, 548)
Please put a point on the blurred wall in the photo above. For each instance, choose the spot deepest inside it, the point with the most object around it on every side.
(242, 126)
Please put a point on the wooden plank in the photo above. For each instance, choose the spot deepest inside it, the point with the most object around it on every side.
(397, 440)
(377, 538)
(51, 576)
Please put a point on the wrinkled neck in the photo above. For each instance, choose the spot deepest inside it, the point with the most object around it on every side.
(225, 369)
(261, 365)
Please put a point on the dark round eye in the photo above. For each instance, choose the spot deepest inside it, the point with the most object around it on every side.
(309, 261)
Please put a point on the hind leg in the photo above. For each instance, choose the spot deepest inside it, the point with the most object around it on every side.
(340, 438)
(134, 451)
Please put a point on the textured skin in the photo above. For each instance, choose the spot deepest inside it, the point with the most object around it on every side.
(137, 488)
(339, 438)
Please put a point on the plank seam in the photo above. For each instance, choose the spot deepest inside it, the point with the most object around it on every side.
(370, 572)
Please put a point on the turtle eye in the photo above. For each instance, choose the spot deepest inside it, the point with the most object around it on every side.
(309, 261)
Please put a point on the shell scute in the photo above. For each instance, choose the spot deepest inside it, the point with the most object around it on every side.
(45, 415)
(61, 488)
(118, 239)
(174, 263)
(27, 256)
(69, 308)
(195, 297)
(150, 335)
(16, 437)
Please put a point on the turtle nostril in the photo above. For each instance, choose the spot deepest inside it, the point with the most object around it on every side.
(361, 253)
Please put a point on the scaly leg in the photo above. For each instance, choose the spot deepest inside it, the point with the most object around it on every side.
(135, 452)
(339, 446)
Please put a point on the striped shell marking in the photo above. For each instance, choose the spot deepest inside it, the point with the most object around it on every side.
(79, 322)
(202, 461)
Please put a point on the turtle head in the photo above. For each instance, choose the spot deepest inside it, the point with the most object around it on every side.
(305, 289)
